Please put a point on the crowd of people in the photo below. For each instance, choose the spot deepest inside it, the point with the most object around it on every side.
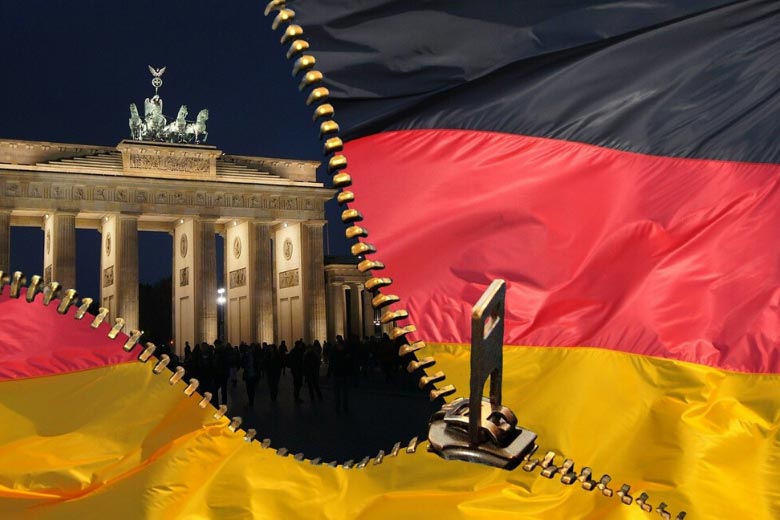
(219, 365)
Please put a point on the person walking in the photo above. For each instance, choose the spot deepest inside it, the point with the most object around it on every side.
(273, 368)
(311, 369)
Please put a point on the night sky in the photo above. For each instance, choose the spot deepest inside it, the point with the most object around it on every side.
(71, 69)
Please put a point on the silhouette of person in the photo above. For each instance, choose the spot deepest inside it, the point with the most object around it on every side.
(295, 362)
(250, 374)
(222, 355)
(342, 360)
(311, 369)
(274, 370)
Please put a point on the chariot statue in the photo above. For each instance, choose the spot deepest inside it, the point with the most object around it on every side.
(155, 126)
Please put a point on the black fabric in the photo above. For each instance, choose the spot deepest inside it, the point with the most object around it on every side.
(689, 78)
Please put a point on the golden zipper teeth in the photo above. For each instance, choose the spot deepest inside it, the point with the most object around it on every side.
(161, 364)
(101, 315)
(235, 423)
(324, 111)
(391, 316)
(17, 282)
(34, 288)
(569, 476)
(309, 79)
(83, 308)
(272, 5)
(332, 145)
(51, 292)
(297, 47)
(427, 380)
(356, 232)
(362, 248)
(303, 64)
(411, 348)
(292, 32)
(317, 95)
(370, 265)
(342, 180)
(132, 340)
(283, 16)
(67, 300)
(119, 324)
(425, 362)
(345, 197)
(328, 127)
(177, 375)
(383, 300)
(375, 283)
(337, 162)
(144, 356)
(399, 332)
(440, 393)
(351, 215)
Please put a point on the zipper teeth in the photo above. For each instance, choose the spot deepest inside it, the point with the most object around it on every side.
(67, 298)
(311, 81)
(337, 163)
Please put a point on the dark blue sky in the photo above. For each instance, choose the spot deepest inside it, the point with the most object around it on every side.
(71, 69)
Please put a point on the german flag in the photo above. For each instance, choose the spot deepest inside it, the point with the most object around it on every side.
(617, 164)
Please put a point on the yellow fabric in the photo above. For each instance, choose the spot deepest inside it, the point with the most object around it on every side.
(120, 442)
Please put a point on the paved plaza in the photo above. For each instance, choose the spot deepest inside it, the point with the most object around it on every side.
(381, 414)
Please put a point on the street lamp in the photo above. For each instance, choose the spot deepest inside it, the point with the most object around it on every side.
(221, 313)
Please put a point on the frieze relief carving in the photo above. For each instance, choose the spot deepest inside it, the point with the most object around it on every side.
(169, 163)
(200, 198)
(108, 276)
(13, 189)
(161, 197)
(57, 192)
(291, 278)
(121, 195)
(35, 190)
(184, 276)
(289, 204)
(141, 196)
(79, 193)
(238, 278)
(100, 193)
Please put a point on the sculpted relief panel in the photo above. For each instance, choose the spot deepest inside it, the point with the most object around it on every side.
(170, 163)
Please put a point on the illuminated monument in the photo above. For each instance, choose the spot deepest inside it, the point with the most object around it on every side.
(270, 212)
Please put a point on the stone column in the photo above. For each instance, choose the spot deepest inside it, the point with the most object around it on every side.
(126, 269)
(262, 274)
(5, 240)
(205, 280)
(59, 249)
(312, 262)
(368, 314)
(336, 310)
(356, 310)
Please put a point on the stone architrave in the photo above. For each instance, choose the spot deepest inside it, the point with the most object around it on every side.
(59, 249)
(5, 240)
(315, 317)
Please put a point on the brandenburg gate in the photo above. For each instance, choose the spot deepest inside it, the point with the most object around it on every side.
(269, 211)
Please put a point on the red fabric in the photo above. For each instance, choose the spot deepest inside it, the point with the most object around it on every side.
(658, 256)
(37, 341)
